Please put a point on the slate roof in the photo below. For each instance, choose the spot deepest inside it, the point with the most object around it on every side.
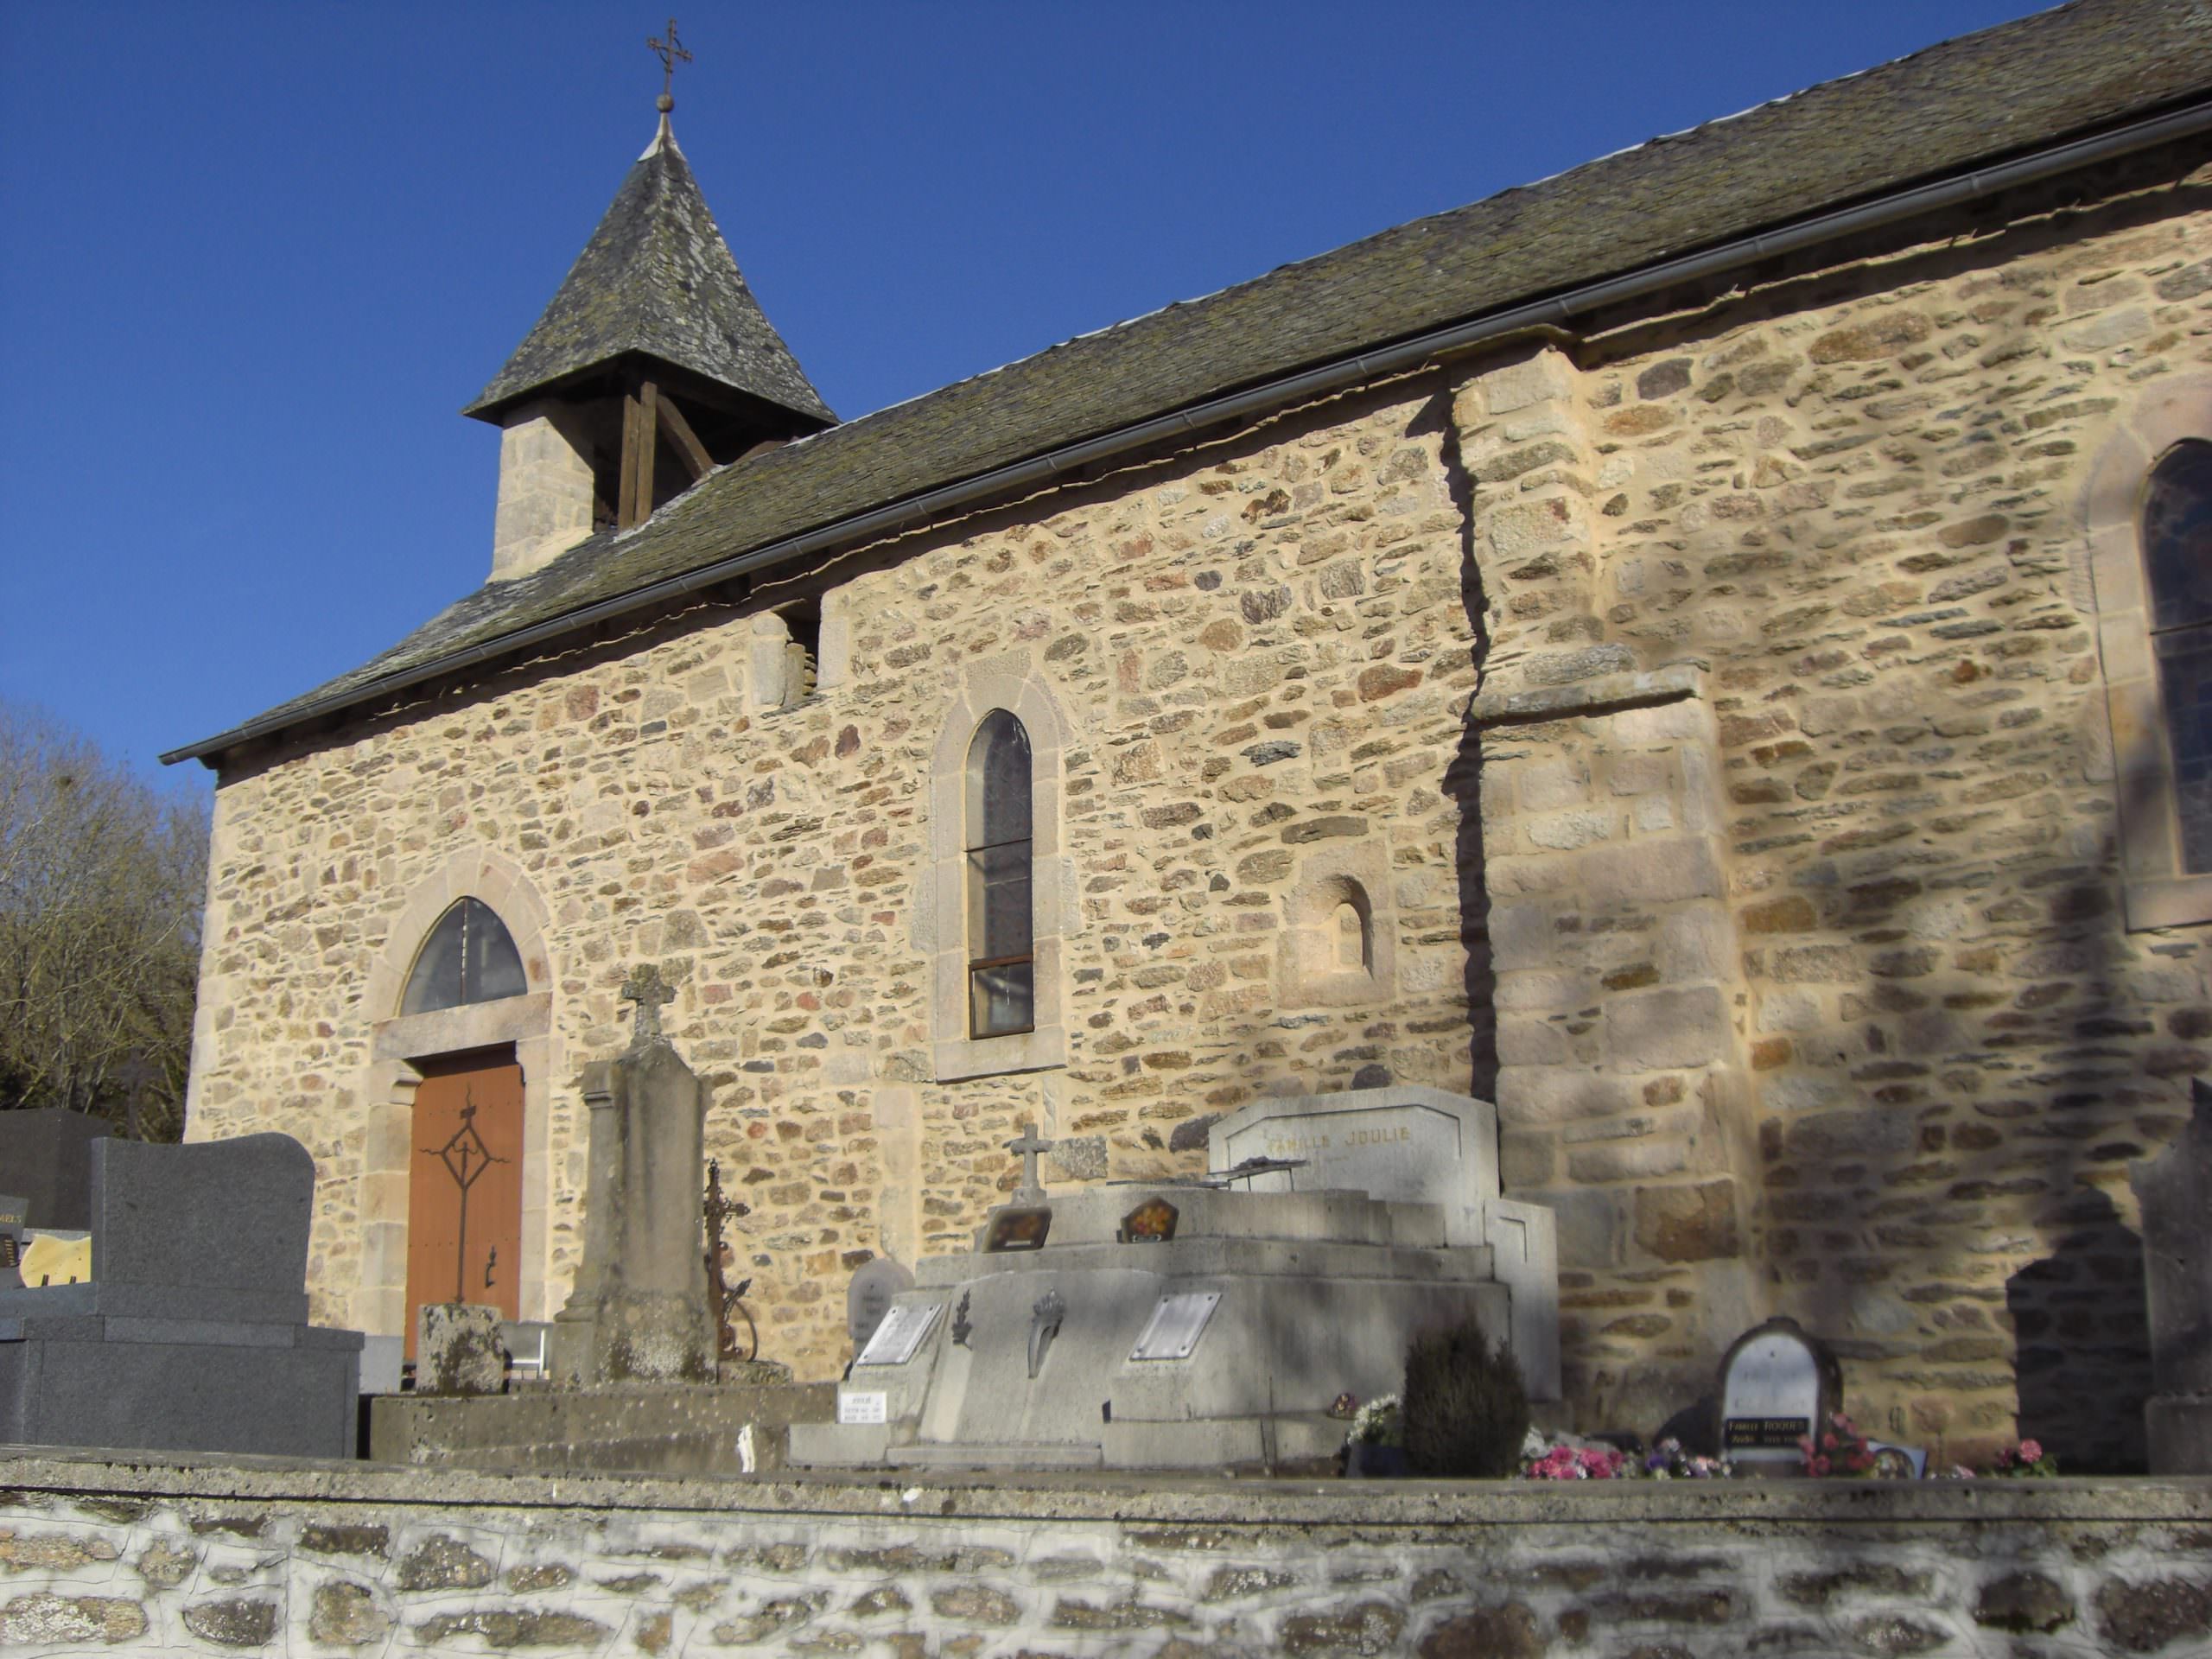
(2010, 89)
(656, 277)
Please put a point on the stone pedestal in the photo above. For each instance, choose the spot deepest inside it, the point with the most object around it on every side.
(639, 1310)
(2175, 1192)
(458, 1349)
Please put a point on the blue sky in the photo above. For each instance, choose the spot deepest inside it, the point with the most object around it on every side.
(256, 257)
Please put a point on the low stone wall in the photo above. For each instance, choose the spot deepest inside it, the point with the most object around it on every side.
(163, 1556)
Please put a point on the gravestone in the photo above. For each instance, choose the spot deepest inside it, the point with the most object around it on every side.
(46, 1156)
(1416, 1145)
(2175, 1192)
(1777, 1386)
(192, 1334)
(868, 1298)
(639, 1310)
(12, 1211)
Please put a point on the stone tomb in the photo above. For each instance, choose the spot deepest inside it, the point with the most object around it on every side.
(1423, 1146)
(2175, 1191)
(192, 1334)
(1157, 1326)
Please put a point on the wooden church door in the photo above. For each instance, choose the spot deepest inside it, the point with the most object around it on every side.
(464, 1186)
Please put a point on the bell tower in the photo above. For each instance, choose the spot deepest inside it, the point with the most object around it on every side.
(652, 365)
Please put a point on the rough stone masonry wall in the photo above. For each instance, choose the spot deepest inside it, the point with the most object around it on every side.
(1258, 650)
(1852, 503)
(173, 1560)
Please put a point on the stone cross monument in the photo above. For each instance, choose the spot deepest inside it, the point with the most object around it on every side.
(1027, 1143)
(2175, 1191)
(640, 1310)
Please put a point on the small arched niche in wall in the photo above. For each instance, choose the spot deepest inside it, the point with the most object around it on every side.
(1338, 939)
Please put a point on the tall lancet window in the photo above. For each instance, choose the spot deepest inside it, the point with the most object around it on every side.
(2177, 559)
(1002, 950)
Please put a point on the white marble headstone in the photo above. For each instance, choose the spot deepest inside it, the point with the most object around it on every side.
(1406, 1142)
(1773, 1394)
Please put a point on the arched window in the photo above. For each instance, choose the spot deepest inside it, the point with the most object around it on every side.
(468, 957)
(1001, 953)
(2178, 565)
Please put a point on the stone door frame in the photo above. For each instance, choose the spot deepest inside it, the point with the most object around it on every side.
(398, 1042)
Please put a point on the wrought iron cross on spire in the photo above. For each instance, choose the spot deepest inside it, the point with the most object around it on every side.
(648, 990)
(672, 52)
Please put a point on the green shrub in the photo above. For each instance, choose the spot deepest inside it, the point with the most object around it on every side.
(1466, 1410)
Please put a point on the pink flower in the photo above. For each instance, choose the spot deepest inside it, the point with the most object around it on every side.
(2031, 1450)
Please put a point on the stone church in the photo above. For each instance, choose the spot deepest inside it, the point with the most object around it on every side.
(1712, 652)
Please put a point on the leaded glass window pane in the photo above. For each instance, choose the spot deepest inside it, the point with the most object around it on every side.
(2177, 562)
(2177, 537)
(469, 957)
(1002, 1000)
(998, 782)
(1002, 975)
(2185, 682)
(997, 902)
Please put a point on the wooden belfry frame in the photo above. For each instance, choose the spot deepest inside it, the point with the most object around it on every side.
(645, 416)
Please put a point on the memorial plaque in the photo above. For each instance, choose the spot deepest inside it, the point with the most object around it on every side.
(899, 1335)
(1176, 1324)
(1018, 1230)
(1152, 1222)
(868, 1298)
(863, 1406)
(1777, 1386)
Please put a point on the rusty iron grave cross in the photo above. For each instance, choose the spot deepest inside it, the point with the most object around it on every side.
(672, 52)
(649, 991)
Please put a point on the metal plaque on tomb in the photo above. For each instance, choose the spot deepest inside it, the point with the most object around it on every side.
(1018, 1230)
(900, 1334)
(863, 1406)
(1778, 1385)
(1152, 1222)
(1176, 1324)
(868, 1298)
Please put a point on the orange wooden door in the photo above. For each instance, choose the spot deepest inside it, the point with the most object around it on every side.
(464, 1187)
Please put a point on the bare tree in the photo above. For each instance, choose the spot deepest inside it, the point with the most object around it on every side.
(102, 882)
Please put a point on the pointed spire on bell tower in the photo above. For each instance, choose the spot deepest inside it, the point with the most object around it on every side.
(652, 365)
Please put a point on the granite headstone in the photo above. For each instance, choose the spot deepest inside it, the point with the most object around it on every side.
(192, 1334)
(46, 1156)
(868, 1298)
(12, 1211)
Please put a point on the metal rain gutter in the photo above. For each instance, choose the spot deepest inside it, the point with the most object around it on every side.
(1333, 376)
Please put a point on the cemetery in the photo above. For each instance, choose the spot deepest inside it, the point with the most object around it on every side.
(1490, 948)
(1124, 1422)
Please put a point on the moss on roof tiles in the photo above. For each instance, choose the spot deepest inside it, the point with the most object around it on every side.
(2006, 90)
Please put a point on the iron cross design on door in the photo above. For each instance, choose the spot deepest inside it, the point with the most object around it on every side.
(466, 1157)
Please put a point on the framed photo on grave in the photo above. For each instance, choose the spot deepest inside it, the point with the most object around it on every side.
(1778, 1385)
(899, 1336)
(1152, 1222)
(1018, 1230)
